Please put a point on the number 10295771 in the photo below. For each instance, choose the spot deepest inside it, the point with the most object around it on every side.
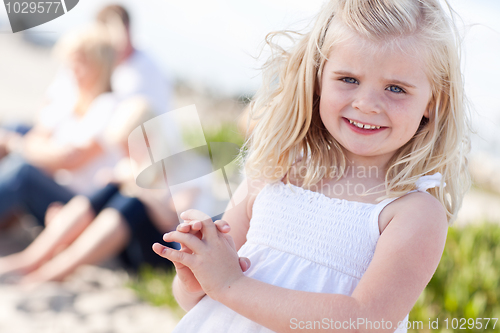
(33, 7)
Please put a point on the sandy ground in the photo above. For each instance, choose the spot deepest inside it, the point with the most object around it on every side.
(25, 72)
(94, 299)
(479, 206)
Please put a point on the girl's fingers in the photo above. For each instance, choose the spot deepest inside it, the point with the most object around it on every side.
(209, 229)
(196, 225)
(193, 214)
(230, 240)
(158, 249)
(192, 227)
(173, 255)
(184, 248)
(222, 226)
(184, 227)
(188, 240)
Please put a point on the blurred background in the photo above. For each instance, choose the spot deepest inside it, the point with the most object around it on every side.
(210, 52)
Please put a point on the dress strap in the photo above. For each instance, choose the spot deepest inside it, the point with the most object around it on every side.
(375, 231)
(426, 182)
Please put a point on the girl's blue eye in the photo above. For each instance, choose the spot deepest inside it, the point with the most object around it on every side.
(396, 89)
(349, 80)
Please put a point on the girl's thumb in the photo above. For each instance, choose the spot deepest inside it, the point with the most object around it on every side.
(244, 264)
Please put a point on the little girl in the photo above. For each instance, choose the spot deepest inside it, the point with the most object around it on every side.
(356, 167)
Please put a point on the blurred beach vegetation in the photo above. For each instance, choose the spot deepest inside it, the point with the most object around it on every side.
(466, 283)
(155, 287)
(224, 132)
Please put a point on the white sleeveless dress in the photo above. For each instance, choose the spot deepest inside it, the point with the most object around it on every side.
(302, 240)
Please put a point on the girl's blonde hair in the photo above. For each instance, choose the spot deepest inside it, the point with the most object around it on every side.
(289, 130)
(95, 43)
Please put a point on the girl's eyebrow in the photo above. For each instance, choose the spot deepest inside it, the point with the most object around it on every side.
(346, 73)
(399, 82)
(402, 83)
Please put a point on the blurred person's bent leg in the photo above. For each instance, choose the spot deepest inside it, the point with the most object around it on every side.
(25, 187)
(60, 231)
(106, 236)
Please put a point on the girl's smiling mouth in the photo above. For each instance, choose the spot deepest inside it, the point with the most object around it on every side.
(362, 128)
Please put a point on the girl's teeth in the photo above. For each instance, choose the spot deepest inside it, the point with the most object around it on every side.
(363, 126)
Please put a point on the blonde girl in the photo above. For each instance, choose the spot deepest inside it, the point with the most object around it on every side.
(356, 167)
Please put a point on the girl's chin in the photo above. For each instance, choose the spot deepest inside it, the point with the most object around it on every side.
(361, 151)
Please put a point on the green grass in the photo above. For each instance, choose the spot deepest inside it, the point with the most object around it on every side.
(155, 287)
(225, 132)
(466, 283)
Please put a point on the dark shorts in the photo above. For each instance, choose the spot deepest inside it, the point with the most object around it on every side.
(143, 231)
(26, 188)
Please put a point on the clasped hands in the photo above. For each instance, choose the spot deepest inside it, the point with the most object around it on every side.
(207, 261)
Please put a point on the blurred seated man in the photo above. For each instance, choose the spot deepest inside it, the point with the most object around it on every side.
(135, 74)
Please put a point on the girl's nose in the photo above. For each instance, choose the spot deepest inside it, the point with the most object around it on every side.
(367, 101)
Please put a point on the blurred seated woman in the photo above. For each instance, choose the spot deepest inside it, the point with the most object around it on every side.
(120, 219)
(60, 156)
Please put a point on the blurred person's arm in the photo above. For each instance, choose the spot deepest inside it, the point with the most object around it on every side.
(40, 150)
(157, 199)
(162, 209)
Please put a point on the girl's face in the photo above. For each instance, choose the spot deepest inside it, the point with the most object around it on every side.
(383, 90)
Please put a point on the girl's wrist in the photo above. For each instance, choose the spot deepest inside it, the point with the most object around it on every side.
(187, 300)
(227, 294)
(183, 290)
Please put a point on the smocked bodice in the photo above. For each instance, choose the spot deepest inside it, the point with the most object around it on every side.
(335, 233)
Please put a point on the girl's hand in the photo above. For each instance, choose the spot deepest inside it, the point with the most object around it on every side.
(193, 225)
(212, 258)
(184, 274)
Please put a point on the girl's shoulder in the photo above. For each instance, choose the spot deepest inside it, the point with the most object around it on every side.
(424, 208)
(414, 202)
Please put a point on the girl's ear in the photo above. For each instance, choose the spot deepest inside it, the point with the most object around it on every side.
(426, 113)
